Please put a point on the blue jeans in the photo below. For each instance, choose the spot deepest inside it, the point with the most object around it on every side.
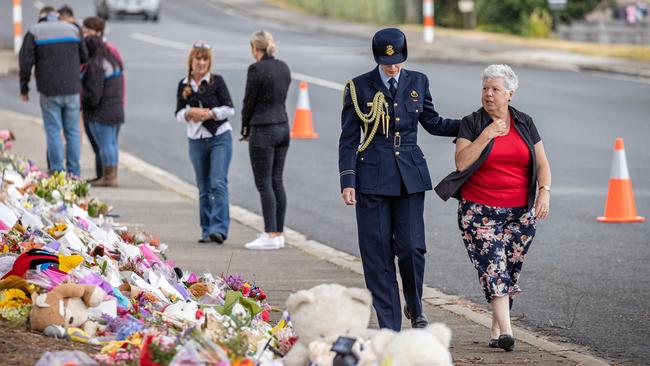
(62, 112)
(105, 136)
(211, 159)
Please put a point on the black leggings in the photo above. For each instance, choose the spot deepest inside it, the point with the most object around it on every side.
(268, 148)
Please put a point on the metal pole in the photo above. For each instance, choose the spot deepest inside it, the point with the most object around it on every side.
(427, 11)
(18, 25)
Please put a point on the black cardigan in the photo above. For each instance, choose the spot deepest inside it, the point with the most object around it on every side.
(210, 94)
(103, 92)
(470, 128)
(267, 84)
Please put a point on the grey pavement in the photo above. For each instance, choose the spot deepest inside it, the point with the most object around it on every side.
(141, 201)
(467, 47)
(584, 282)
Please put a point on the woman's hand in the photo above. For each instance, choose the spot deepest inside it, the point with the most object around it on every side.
(496, 129)
(349, 196)
(542, 204)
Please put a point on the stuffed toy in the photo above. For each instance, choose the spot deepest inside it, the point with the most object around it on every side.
(33, 259)
(323, 313)
(39, 259)
(183, 311)
(66, 305)
(321, 354)
(411, 347)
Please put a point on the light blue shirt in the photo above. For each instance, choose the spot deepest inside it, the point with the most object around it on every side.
(385, 78)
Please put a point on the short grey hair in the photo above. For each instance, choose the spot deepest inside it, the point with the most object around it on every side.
(510, 80)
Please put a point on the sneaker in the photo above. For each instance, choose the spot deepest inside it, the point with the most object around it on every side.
(264, 242)
(217, 238)
(281, 238)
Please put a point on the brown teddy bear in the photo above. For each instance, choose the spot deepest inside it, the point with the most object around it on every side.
(65, 305)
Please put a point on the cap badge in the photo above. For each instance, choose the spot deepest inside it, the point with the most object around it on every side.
(414, 94)
(389, 50)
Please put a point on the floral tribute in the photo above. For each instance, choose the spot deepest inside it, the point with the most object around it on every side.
(52, 232)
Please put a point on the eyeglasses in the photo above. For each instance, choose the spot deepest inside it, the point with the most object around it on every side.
(202, 45)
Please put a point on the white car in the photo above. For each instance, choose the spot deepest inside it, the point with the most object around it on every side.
(149, 9)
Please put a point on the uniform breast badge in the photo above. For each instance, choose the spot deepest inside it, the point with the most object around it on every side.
(389, 50)
(414, 94)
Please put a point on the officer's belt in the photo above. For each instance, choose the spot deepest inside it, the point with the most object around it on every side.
(393, 141)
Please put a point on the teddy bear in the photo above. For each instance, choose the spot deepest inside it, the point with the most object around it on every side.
(323, 313)
(65, 305)
(411, 347)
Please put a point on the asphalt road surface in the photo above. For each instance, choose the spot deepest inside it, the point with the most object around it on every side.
(584, 281)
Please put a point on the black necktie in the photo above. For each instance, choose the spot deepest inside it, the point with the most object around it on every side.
(393, 87)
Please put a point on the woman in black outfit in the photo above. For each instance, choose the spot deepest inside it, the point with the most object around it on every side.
(265, 124)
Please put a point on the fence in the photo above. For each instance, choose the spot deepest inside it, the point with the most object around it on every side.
(606, 32)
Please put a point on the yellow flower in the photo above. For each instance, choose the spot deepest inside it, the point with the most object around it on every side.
(13, 298)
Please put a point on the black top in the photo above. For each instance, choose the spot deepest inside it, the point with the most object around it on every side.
(103, 92)
(267, 84)
(56, 51)
(470, 128)
(210, 94)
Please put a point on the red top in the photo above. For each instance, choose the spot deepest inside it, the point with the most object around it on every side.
(502, 180)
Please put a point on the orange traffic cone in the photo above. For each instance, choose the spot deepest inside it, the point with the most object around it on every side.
(303, 127)
(620, 205)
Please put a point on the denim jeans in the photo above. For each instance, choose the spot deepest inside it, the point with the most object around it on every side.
(268, 148)
(105, 136)
(211, 159)
(62, 112)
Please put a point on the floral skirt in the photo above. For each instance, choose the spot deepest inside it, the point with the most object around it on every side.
(497, 240)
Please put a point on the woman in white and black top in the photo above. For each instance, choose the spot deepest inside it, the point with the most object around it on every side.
(204, 105)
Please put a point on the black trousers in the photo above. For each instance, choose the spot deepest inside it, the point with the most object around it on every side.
(95, 146)
(268, 146)
(389, 227)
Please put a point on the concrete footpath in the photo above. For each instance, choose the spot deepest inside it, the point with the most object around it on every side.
(153, 199)
(461, 46)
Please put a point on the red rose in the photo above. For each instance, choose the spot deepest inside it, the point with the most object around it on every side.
(245, 290)
(265, 315)
(261, 295)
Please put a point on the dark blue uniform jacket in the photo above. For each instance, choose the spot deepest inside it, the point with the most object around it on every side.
(396, 159)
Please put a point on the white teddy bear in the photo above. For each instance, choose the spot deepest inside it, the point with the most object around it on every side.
(414, 347)
(323, 313)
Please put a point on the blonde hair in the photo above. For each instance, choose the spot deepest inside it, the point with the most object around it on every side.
(263, 41)
(195, 52)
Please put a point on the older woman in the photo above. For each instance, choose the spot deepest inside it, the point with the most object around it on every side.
(203, 104)
(503, 185)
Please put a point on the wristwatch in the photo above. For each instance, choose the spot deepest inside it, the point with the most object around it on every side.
(546, 188)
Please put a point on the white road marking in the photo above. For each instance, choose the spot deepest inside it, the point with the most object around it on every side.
(38, 4)
(160, 41)
(184, 47)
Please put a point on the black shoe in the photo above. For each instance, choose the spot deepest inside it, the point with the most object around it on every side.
(217, 238)
(204, 239)
(493, 343)
(419, 321)
(507, 342)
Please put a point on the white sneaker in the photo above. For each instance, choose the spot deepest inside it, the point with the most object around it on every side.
(281, 237)
(264, 242)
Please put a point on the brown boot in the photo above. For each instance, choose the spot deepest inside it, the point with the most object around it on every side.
(108, 179)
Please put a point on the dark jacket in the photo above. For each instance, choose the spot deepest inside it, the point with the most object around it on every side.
(267, 84)
(55, 49)
(209, 95)
(396, 160)
(103, 93)
(470, 128)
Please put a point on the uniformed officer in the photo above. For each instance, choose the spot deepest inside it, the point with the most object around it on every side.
(384, 172)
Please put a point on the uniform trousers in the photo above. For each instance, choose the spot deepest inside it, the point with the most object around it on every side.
(389, 227)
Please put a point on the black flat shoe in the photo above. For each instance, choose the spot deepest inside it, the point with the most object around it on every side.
(493, 343)
(217, 238)
(506, 342)
(419, 321)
